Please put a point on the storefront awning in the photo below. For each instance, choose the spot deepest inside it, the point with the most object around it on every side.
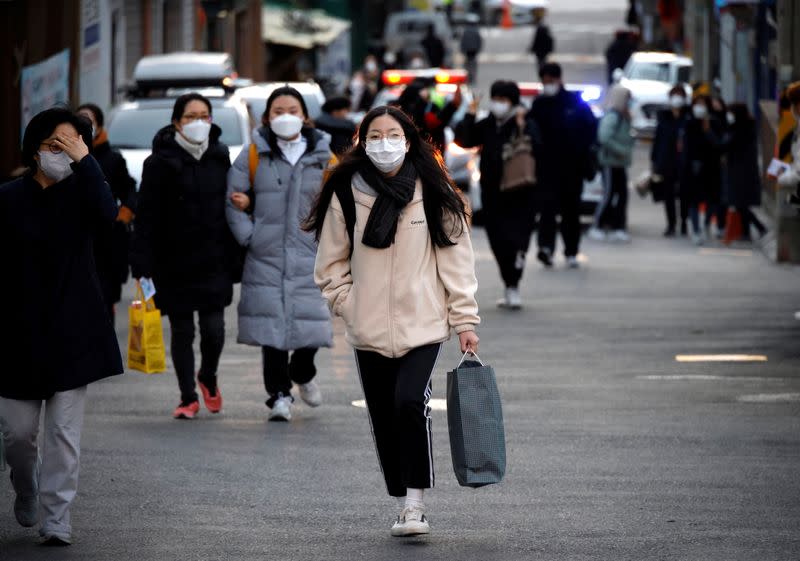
(304, 29)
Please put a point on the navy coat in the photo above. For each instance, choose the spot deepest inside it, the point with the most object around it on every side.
(55, 333)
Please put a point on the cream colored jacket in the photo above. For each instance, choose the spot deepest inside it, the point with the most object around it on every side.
(396, 299)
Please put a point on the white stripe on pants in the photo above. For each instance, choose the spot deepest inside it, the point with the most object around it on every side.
(55, 477)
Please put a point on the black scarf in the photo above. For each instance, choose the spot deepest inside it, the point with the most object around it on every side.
(394, 194)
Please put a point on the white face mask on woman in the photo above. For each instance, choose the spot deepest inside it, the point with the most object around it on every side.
(386, 155)
(500, 109)
(677, 101)
(286, 126)
(197, 131)
(55, 166)
(699, 111)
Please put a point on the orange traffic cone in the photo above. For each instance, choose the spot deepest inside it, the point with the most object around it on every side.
(507, 22)
(733, 226)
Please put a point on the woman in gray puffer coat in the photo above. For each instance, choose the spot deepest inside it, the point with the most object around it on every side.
(281, 308)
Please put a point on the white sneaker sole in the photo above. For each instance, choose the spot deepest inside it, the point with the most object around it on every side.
(278, 417)
(411, 529)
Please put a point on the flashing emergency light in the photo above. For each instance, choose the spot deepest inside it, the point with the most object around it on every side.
(403, 77)
(591, 93)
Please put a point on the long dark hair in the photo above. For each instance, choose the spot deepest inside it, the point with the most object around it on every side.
(272, 138)
(439, 196)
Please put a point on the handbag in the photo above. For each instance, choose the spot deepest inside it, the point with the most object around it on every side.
(519, 165)
(146, 352)
(475, 424)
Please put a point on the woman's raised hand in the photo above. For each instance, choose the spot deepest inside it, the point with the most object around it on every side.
(241, 201)
(73, 146)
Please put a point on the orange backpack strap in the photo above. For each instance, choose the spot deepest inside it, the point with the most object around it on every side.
(253, 161)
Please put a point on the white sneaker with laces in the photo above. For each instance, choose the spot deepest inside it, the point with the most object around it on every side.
(309, 392)
(572, 262)
(281, 410)
(620, 236)
(411, 522)
(596, 234)
(511, 300)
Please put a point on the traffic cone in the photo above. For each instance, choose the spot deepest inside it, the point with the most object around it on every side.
(733, 226)
(507, 22)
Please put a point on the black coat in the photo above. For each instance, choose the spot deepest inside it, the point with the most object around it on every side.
(434, 49)
(568, 130)
(664, 155)
(111, 249)
(341, 131)
(543, 42)
(55, 334)
(701, 163)
(181, 237)
(742, 175)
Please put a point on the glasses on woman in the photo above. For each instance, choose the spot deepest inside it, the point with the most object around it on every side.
(394, 138)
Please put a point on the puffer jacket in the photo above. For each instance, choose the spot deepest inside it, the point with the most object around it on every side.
(616, 142)
(280, 304)
(410, 294)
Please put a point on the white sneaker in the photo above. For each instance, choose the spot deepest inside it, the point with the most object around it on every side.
(511, 300)
(697, 239)
(620, 236)
(596, 234)
(572, 262)
(310, 393)
(281, 410)
(411, 522)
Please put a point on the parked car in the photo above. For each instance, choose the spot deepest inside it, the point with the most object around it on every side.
(491, 11)
(649, 76)
(255, 97)
(404, 32)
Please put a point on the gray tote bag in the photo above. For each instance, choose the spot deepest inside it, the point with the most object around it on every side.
(475, 423)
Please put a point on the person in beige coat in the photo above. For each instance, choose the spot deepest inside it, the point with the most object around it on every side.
(395, 262)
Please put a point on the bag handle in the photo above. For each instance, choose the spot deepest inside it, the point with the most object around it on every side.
(465, 356)
(149, 305)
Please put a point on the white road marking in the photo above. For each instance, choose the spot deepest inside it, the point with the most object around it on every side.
(707, 378)
(721, 358)
(728, 252)
(770, 398)
(434, 404)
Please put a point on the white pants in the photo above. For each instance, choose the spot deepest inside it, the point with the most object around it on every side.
(55, 476)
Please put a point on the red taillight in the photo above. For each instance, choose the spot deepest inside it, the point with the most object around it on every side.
(404, 77)
(451, 77)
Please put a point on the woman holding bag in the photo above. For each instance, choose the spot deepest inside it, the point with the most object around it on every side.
(395, 261)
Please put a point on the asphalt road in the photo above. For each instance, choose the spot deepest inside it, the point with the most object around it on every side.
(615, 449)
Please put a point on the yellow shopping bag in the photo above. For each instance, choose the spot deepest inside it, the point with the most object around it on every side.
(146, 351)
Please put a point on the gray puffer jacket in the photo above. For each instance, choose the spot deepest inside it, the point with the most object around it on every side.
(280, 304)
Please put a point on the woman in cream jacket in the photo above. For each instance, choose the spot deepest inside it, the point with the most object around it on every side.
(404, 283)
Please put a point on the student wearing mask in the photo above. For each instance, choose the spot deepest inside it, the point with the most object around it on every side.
(281, 309)
(394, 244)
(665, 157)
(182, 241)
(55, 337)
(509, 217)
(111, 251)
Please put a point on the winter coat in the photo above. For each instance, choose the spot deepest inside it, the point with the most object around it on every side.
(701, 163)
(341, 132)
(56, 334)
(280, 305)
(111, 250)
(543, 43)
(664, 155)
(791, 178)
(181, 238)
(616, 142)
(434, 49)
(743, 176)
(396, 299)
(471, 41)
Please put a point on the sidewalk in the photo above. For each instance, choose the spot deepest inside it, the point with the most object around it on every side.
(615, 449)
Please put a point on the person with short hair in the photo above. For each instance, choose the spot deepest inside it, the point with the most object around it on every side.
(334, 121)
(665, 158)
(181, 240)
(56, 337)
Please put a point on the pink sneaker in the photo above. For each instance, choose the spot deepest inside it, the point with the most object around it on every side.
(213, 404)
(187, 411)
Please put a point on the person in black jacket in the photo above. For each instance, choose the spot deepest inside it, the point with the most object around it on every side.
(334, 121)
(111, 251)
(569, 130)
(543, 43)
(508, 216)
(182, 240)
(434, 47)
(55, 337)
(416, 101)
(665, 158)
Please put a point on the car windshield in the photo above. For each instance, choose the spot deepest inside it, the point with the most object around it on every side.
(136, 128)
(656, 71)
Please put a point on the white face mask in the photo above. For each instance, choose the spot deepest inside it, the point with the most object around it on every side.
(699, 111)
(677, 101)
(500, 109)
(55, 166)
(371, 67)
(731, 118)
(550, 89)
(286, 126)
(385, 155)
(196, 131)
(417, 63)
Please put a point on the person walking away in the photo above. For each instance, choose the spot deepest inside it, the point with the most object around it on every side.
(508, 216)
(280, 309)
(702, 174)
(111, 251)
(334, 121)
(181, 240)
(568, 131)
(430, 111)
(615, 157)
(618, 53)
(434, 48)
(56, 337)
(471, 46)
(394, 243)
(543, 43)
(665, 157)
(742, 174)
